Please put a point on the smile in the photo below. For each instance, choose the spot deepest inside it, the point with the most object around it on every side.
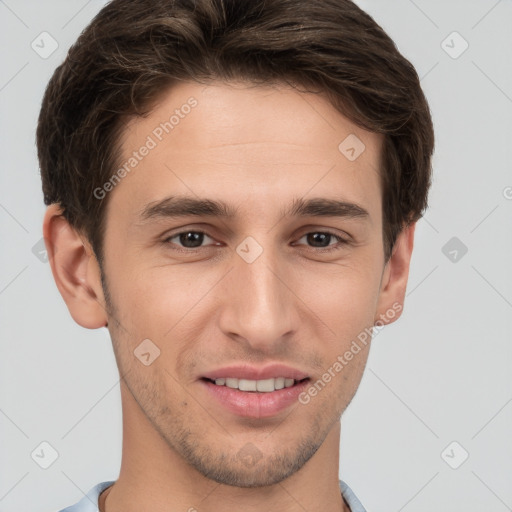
(262, 386)
(258, 399)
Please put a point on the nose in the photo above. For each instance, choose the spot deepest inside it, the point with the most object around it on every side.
(258, 306)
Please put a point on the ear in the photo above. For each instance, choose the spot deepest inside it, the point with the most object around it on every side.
(394, 278)
(75, 270)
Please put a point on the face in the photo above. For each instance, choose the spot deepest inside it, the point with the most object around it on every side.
(266, 284)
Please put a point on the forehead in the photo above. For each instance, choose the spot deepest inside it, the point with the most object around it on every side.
(273, 113)
(255, 144)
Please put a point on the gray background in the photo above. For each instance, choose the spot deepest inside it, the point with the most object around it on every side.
(438, 375)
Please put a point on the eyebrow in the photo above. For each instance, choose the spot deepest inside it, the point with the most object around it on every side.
(184, 206)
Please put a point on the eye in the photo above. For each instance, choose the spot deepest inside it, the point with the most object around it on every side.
(321, 240)
(189, 239)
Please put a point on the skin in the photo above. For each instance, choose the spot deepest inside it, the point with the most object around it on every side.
(255, 148)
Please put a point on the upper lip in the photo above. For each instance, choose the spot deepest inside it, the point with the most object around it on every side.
(241, 371)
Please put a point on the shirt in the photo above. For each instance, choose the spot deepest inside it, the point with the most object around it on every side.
(89, 503)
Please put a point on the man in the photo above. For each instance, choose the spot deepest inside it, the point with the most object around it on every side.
(233, 188)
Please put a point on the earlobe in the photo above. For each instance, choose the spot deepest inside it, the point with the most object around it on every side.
(75, 270)
(394, 278)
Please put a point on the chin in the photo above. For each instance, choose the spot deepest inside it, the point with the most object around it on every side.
(250, 468)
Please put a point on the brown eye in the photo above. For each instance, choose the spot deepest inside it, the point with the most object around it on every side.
(188, 239)
(319, 239)
(323, 240)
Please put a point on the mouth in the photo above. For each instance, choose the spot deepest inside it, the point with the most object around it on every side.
(256, 386)
(254, 393)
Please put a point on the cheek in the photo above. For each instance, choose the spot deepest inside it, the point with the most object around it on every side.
(345, 297)
(155, 298)
(160, 302)
(170, 307)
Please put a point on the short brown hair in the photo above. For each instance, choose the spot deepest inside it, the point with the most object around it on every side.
(133, 50)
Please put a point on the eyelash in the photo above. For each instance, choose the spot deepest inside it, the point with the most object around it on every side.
(341, 241)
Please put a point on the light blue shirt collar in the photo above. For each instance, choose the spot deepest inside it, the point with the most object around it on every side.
(89, 503)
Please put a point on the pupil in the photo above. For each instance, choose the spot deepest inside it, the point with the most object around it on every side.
(194, 238)
(325, 237)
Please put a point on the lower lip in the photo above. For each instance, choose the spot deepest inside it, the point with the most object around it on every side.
(253, 404)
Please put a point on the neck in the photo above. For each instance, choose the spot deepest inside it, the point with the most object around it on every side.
(154, 477)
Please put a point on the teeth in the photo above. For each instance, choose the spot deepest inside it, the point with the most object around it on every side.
(263, 386)
(279, 383)
(266, 385)
(232, 383)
